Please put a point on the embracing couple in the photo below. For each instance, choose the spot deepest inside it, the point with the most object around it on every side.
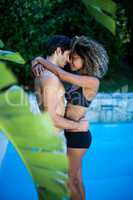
(88, 62)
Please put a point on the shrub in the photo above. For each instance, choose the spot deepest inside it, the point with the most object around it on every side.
(26, 26)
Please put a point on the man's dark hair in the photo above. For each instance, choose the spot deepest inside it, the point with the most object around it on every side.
(56, 41)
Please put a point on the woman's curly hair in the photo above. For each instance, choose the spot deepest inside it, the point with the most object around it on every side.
(93, 54)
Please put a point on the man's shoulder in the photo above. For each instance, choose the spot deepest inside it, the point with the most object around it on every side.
(48, 78)
(51, 76)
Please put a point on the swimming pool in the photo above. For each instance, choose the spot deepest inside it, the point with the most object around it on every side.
(15, 181)
(107, 166)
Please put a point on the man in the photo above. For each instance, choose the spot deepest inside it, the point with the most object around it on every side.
(51, 92)
(50, 89)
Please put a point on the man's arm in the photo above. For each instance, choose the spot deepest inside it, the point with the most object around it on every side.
(50, 90)
(91, 87)
(79, 80)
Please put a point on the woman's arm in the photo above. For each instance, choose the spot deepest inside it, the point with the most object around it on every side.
(79, 80)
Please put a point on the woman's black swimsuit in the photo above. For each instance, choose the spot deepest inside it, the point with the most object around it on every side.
(75, 96)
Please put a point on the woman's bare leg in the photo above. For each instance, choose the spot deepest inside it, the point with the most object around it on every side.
(75, 177)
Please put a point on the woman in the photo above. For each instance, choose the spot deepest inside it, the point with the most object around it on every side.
(90, 60)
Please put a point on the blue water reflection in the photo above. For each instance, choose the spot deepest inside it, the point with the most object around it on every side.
(108, 164)
(15, 181)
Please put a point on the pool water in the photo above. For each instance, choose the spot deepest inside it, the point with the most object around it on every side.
(15, 181)
(108, 164)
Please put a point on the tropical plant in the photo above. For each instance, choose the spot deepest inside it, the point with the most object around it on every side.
(32, 135)
(103, 11)
(26, 26)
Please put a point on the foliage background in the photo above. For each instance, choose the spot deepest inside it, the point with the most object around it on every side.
(26, 26)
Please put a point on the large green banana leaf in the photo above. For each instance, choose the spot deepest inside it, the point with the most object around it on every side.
(34, 139)
(11, 56)
(104, 19)
(6, 77)
(103, 11)
(108, 6)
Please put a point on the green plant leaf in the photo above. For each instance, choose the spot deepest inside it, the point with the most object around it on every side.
(1, 44)
(106, 5)
(49, 195)
(6, 77)
(52, 180)
(103, 19)
(45, 2)
(46, 162)
(46, 158)
(51, 143)
(11, 56)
